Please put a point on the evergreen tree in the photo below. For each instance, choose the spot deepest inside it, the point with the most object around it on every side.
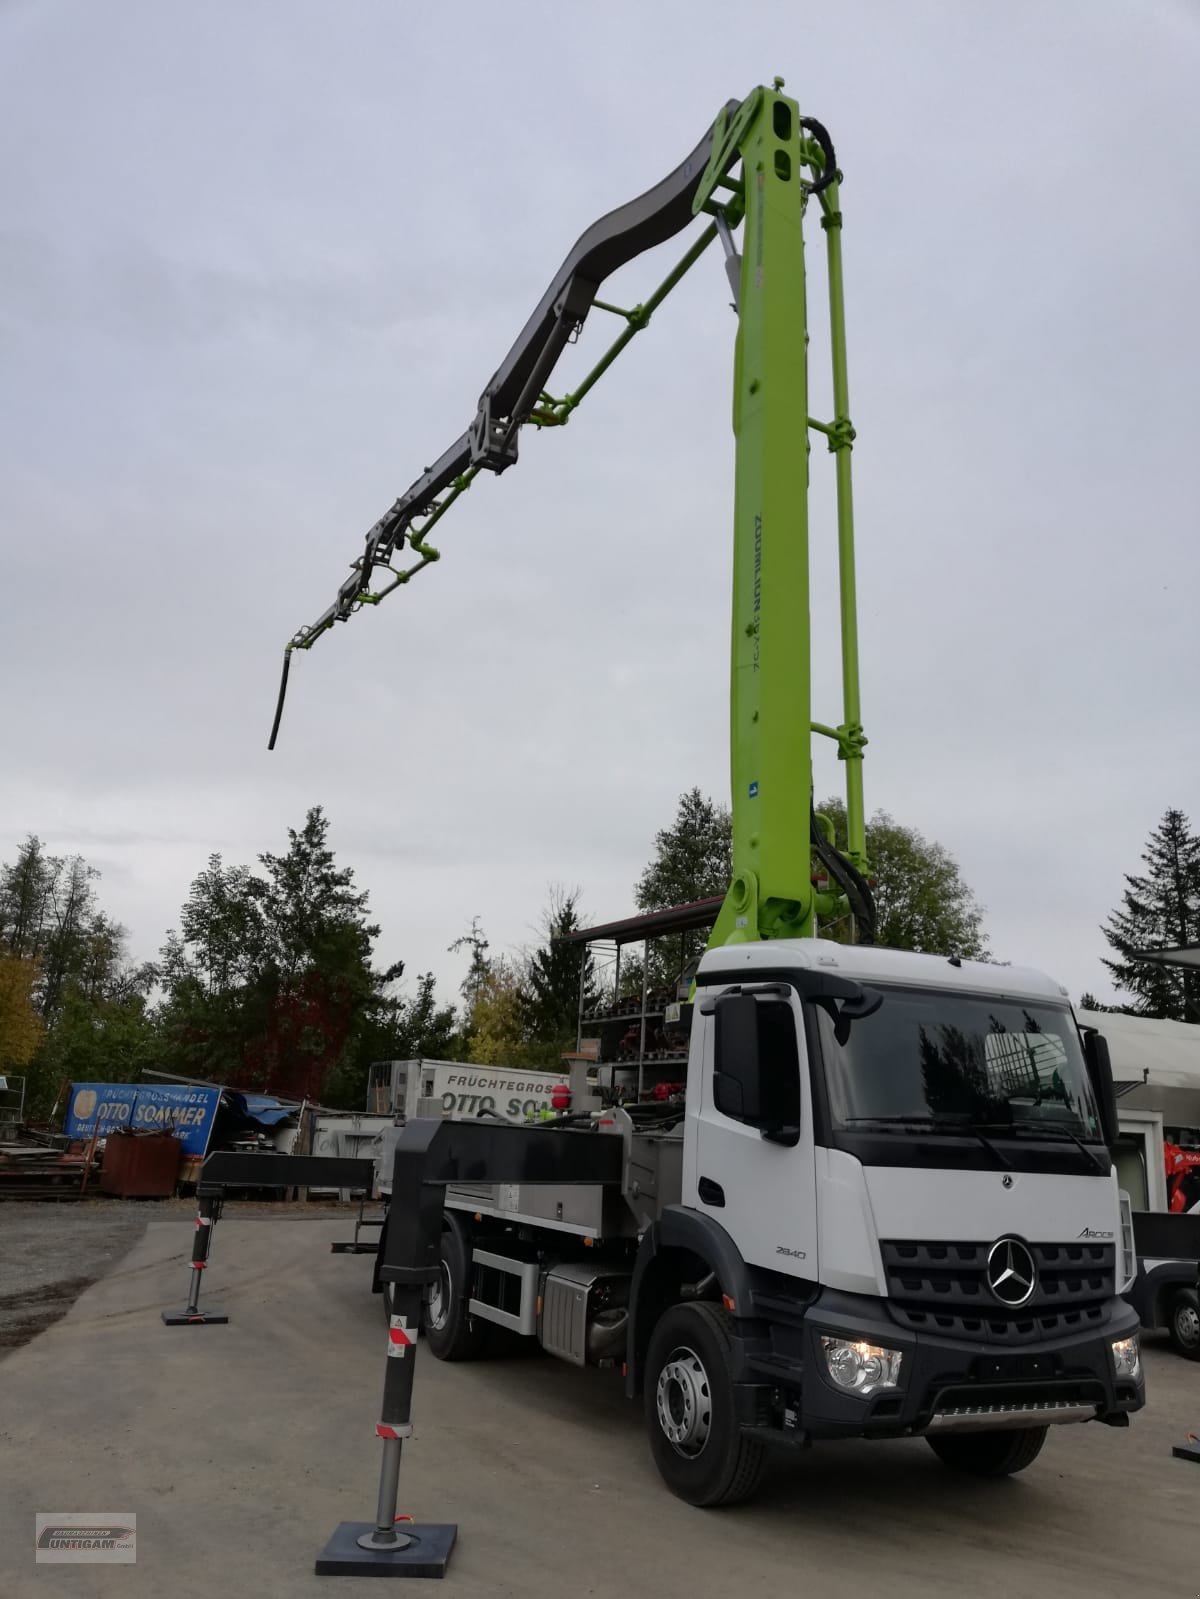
(552, 970)
(550, 979)
(1159, 909)
(692, 860)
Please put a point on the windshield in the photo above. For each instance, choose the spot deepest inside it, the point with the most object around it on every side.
(942, 1058)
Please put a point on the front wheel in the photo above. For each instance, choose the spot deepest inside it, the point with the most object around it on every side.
(1183, 1323)
(691, 1414)
(989, 1454)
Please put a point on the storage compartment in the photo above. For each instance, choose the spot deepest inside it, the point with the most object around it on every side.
(575, 1204)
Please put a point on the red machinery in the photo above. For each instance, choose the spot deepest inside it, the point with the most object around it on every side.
(1183, 1176)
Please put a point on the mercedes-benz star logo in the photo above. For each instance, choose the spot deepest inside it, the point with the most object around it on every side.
(1011, 1273)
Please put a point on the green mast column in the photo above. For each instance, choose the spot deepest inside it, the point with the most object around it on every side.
(771, 765)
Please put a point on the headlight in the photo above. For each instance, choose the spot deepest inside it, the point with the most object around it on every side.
(1126, 1356)
(862, 1368)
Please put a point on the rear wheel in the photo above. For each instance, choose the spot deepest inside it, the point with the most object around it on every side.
(1183, 1323)
(451, 1332)
(691, 1413)
(989, 1454)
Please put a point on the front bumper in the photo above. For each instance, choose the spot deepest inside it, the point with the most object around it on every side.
(945, 1383)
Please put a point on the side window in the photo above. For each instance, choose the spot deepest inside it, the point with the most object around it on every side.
(756, 1076)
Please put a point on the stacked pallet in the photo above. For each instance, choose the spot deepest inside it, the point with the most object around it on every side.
(30, 1170)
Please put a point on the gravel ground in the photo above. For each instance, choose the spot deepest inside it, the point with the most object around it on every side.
(49, 1253)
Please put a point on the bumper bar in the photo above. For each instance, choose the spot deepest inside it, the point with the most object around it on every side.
(983, 1418)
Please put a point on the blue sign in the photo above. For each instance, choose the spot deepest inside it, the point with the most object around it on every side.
(105, 1108)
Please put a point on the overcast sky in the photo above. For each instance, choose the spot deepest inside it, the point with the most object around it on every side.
(257, 260)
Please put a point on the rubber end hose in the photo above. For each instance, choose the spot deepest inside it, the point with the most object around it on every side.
(287, 661)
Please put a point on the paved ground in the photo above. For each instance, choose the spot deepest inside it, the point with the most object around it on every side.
(240, 1448)
(51, 1251)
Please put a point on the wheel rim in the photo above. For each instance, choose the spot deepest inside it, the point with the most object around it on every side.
(684, 1402)
(1187, 1325)
(439, 1298)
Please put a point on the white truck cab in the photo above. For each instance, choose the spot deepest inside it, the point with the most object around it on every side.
(884, 1207)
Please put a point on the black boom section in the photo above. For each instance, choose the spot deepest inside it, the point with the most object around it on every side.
(516, 386)
(229, 1170)
(612, 242)
(517, 383)
(430, 1154)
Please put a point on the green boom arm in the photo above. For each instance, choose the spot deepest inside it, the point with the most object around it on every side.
(777, 839)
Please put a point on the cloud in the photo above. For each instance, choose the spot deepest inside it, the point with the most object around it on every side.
(253, 277)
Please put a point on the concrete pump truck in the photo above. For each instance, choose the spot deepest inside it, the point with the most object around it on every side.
(882, 1205)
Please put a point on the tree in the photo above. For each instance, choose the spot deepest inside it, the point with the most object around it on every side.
(402, 1027)
(522, 1009)
(692, 858)
(477, 972)
(24, 892)
(270, 985)
(109, 1038)
(49, 914)
(20, 1025)
(68, 959)
(495, 1022)
(498, 1033)
(922, 902)
(1159, 909)
(550, 979)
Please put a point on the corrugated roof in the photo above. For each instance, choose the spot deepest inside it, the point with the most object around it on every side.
(651, 924)
(1181, 955)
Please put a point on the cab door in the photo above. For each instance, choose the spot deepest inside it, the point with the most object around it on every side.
(748, 1160)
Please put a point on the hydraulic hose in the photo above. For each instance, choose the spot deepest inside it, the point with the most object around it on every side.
(851, 882)
(829, 170)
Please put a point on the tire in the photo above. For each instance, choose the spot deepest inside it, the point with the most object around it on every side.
(990, 1454)
(451, 1332)
(704, 1457)
(1183, 1323)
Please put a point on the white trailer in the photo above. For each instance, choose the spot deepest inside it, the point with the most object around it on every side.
(406, 1088)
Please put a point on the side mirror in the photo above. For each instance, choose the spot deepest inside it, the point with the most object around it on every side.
(1099, 1068)
(738, 1084)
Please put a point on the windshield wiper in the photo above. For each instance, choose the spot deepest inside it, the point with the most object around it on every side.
(947, 1124)
(1054, 1132)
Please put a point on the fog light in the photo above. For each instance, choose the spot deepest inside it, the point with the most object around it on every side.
(862, 1368)
(1127, 1357)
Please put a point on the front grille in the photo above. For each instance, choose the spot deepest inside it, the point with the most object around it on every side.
(942, 1288)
